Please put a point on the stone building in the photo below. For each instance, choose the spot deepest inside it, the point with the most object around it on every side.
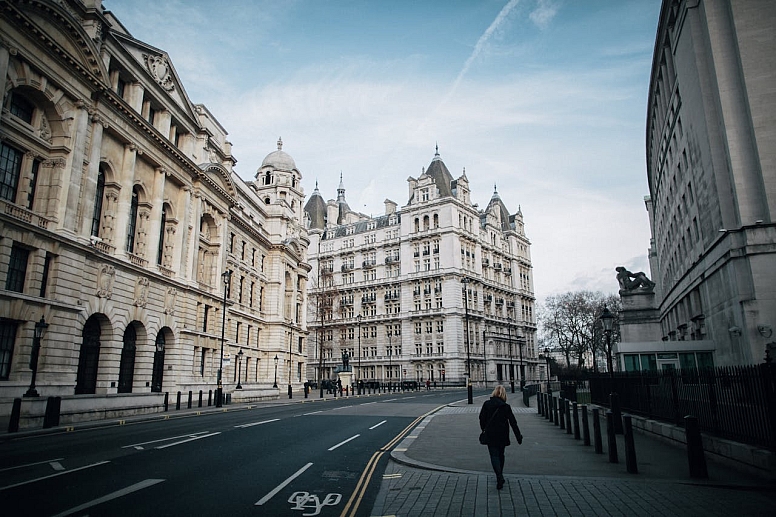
(711, 150)
(121, 216)
(388, 290)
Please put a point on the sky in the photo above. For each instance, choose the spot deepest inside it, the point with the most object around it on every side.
(544, 100)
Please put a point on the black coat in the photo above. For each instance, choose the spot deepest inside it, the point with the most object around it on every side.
(497, 431)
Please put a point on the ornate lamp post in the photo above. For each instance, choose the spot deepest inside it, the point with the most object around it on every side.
(239, 370)
(358, 377)
(227, 277)
(276, 372)
(470, 397)
(607, 320)
(390, 354)
(290, 344)
(40, 327)
(511, 367)
(520, 343)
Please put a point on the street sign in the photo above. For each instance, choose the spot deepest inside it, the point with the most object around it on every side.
(227, 358)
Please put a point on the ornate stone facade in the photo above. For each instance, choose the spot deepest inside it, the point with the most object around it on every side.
(120, 212)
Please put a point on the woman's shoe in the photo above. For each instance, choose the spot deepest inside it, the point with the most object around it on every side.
(500, 485)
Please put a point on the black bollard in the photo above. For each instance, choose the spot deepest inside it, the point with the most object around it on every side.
(166, 400)
(555, 412)
(539, 403)
(576, 421)
(695, 457)
(53, 406)
(612, 437)
(190, 395)
(200, 398)
(178, 401)
(209, 397)
(562, 413)
(614, 404)
(585, 426)
(630, 446)
(16, 413)
(568, 417)
(599, 446)
(547, 407)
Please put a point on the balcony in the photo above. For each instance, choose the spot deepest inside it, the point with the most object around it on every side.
(327, 270)
(25, 215)
(368, 299)
(391, 260)
(511, 305)
(488, 298)
(346, 302)
(392, 296)
(497, 266)
(486, 262)
(499, 301)
(346, 267)
(508, 270)
(368, 264)
(138, 261)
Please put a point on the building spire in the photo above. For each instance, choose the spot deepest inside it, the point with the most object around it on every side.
(280, 144)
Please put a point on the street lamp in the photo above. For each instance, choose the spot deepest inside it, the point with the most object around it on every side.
(40, 326)
(465, 282)
(358, 377)
(520, 343)
(607, 320)
(511, 367)
(290, 344)
(390, 355)
(227, 277)
(239, 370)
(276, 372)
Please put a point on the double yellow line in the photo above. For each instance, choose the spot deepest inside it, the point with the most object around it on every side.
(366, 476)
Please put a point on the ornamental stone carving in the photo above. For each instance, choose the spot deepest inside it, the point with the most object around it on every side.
(633, 282)
(141, 292)
(159, 69)
(105, 278)
(169, 301)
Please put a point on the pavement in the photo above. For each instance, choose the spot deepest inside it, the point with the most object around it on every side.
(440, 469)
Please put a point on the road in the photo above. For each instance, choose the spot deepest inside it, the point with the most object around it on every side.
(325, 458)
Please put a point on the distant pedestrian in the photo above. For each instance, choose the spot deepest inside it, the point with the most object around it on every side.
(495, 419)
(428, 384)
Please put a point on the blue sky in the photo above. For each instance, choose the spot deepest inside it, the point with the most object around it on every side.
(544, 98)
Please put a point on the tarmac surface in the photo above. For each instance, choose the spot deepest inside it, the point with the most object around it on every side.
(441, 469)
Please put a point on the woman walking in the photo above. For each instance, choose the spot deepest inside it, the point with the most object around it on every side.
(495, 419)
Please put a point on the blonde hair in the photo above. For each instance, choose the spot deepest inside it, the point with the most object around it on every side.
(499, 392)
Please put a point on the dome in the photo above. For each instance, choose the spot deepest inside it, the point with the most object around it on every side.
(279, 160)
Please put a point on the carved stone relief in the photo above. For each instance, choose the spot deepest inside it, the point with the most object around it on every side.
(141, 292)
(159, 69)
(105, 278)
(169, 301)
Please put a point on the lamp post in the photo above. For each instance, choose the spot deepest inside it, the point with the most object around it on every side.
(239, 370)
(607, 320)
(40, 327)
(390, 354)
(520, 343)
(227, 277)
(358, 377)
(276, 372)
(290, 344)
(470, 397)
(549, 372)
(511, 366)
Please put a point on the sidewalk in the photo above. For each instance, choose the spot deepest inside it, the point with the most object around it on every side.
(440, 469)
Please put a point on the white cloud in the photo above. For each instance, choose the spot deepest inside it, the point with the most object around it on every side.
(544, 12)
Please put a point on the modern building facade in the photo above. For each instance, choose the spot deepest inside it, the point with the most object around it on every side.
(125, 229)
(389, 290)
(711, 156)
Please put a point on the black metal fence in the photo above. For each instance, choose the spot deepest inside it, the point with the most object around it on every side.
(737, 403)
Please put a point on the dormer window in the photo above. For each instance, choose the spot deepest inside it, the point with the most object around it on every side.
(21, 108)
(121, 85)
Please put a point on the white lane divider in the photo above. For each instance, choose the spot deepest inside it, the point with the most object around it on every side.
(56, 466)
(282, 485)
(185, 441)
(139, 446)
(31, 464)
(313, 413)
(114, 495)
(377, 425)
(242, 426)
(343, 443)
(53, 475)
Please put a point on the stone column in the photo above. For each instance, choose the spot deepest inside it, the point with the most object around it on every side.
(90, 183)
(71, 179)
(126, 179)
(155, 222)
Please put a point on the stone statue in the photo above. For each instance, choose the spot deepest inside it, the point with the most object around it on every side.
(633, 281)
(345, 361)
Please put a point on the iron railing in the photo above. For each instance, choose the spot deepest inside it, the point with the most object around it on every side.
(736, 402)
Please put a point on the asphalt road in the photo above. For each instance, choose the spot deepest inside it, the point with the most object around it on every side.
(323, 458)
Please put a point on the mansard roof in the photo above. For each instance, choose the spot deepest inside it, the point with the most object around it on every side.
(441, 175)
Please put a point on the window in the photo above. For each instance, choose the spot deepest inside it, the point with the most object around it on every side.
(46, 268)
(204, 319)
(33, 183)
(21, 108)
(10, 169)
(121, 85)
(17, 269)
(7, 339)
(98, 195)
(160, 250)
(132, 221)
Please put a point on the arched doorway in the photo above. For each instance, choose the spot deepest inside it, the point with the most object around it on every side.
(158, 370)
(89, 357)
(127, 365)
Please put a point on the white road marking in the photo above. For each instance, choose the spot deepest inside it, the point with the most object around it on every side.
(53, 475)
(282, 485)
(313, 413)
(377, 425)
(56, 465)
(30, 464)
(343, 443)
(115, 495)
(257, 423)
(390, 400)
(185, 441)
(139, 445)
(367, 403)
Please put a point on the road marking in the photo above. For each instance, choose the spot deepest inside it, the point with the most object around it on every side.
(313, 413)
(185, 441)
(53, 475)
(390, 400)
(341, 407)
(139, 445)
(257, 423)
(377, 425)
(115, 495)
(306, 501)
(367, 403)
(282, 485)
(407, 398)
(30, 464)
(56, 466)
(396, 475)
(343, 443)
(363, 483)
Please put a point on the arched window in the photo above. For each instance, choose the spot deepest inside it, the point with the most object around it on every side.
(268, 178)
(425, 222)
(266, 201)
(132, 221)
(158, 371)
(98, 196)
(436, 220)
(162, 231)
(417, 224)
(88, 358)
(127, 365)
